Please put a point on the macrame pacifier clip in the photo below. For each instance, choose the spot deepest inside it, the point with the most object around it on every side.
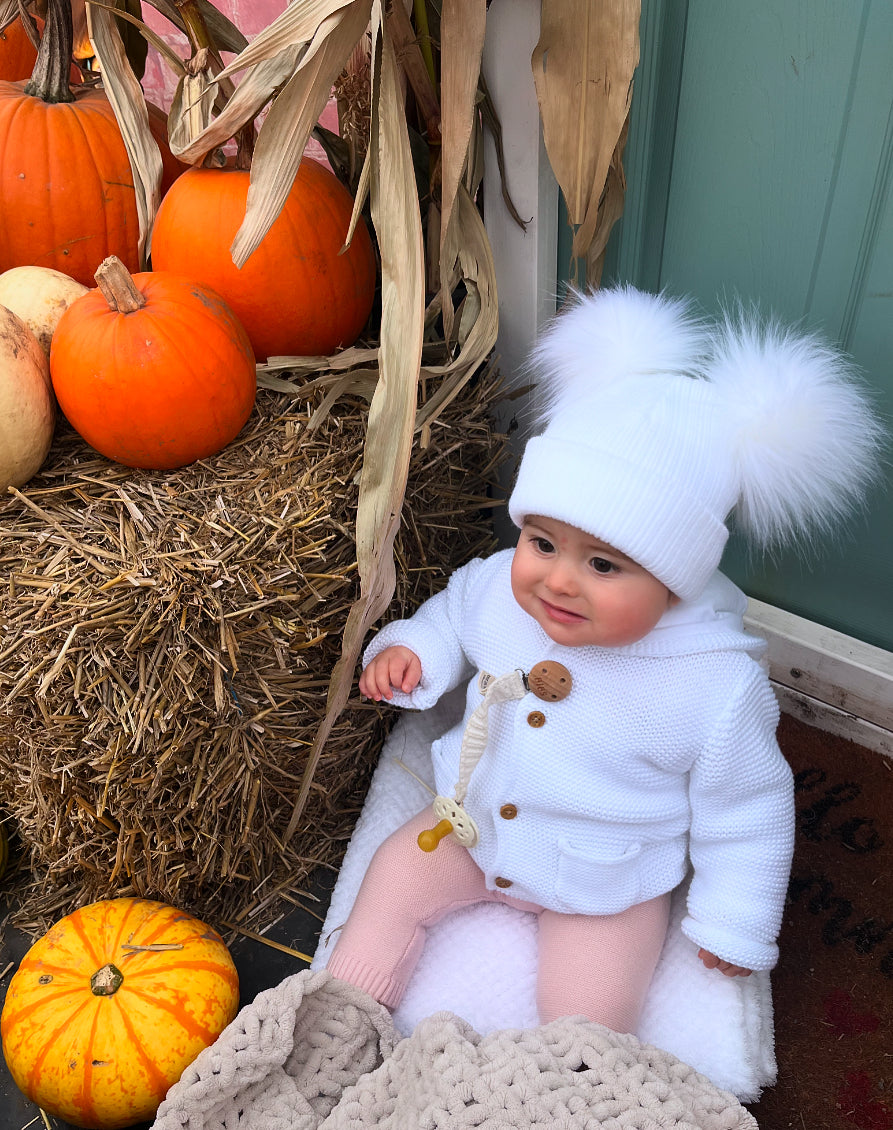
(549, 681)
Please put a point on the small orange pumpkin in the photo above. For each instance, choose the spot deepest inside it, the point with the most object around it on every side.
(152, 370)
(297, 294)
(108, 1008)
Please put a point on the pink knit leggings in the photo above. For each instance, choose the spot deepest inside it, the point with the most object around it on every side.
(598, 966)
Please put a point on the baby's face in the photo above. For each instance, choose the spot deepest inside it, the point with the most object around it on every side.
(581, 591)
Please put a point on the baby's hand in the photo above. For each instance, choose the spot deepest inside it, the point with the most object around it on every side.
(725, 967)
(394, 669)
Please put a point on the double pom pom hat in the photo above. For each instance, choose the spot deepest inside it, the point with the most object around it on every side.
(661, 428)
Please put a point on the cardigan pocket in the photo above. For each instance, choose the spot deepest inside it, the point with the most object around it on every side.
(590, 884)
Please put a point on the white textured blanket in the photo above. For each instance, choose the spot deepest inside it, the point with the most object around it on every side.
(480, 963)
(315, 1053)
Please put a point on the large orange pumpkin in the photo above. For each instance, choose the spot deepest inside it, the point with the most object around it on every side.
(296, 294)
(66, 187)
(108, 1008)
(153, 371)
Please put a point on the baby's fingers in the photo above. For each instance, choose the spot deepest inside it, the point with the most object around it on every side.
(375, 681)
(409, 675)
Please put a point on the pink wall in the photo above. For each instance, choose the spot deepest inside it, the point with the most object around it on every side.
(250, 17)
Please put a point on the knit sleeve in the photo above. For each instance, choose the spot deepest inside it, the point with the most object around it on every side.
(435, 634)
(742, 832)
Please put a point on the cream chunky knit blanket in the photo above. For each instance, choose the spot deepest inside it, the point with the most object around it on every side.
(317, 1054)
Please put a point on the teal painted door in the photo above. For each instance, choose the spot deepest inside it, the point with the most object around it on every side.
(759, 165)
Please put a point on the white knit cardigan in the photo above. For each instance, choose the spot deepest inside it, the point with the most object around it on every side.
(663, 754)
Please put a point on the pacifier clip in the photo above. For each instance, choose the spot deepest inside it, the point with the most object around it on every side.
(549, 681)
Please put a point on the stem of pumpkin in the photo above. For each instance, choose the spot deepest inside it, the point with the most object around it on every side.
(117, 286)
(49, 79)
(107, 981)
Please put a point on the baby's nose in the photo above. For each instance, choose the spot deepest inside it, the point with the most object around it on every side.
(562, 578)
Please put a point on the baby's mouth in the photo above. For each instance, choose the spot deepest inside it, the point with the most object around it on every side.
(562, 615)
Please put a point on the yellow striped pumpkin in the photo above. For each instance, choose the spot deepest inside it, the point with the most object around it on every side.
(108, 1008)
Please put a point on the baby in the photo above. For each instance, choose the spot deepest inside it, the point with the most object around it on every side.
(619, 728)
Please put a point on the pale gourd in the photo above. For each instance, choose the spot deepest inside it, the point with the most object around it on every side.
(27, 408)
(39, 296)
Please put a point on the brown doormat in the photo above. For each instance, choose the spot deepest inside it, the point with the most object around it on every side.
(833, 987)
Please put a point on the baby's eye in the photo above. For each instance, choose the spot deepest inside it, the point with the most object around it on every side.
(601, 565)
(544, 545)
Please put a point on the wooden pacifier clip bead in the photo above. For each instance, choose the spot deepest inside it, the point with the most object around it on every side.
(550, 681)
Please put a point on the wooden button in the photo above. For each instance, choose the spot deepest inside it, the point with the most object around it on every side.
(550, 681)
(536, 718)
(500, 882)
(508, 812)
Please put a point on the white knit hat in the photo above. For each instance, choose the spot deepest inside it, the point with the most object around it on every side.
(658, 427)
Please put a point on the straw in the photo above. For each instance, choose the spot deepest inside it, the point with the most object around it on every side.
(167, 641)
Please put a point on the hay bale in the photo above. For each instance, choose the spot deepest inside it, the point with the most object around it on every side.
(167, 639)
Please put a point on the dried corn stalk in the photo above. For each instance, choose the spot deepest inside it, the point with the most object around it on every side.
(292, 65)
(583, 68)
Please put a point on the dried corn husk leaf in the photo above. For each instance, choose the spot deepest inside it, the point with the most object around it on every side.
(609, 212)
(583, 68)
(151, 37)
(126, 97)
(249, 98)
(286, 129)
(462, 26)
(414, 68)
(224, 33)
(269, 62)
(469, 253)
(193, 102)
(9, 10)
(395, 215)
(298, 24)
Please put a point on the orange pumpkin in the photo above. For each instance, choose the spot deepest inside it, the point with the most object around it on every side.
(17, 52)
(153, 371)
(296, 294)
(66, 187)
(108, 1008)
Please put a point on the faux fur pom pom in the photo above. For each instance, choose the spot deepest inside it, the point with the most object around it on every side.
(613, 334)
(805, 435)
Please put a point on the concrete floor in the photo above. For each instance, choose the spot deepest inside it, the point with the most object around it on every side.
(259, 967)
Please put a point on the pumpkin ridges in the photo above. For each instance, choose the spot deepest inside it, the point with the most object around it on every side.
(135, 1039)
(112, 191)
(85, 1099)
(27, 1012)
(89, 208)
(86, 175)
(113, 950)
(135, 974)
(188, 1023)
(96, 957)
(65, 1025)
